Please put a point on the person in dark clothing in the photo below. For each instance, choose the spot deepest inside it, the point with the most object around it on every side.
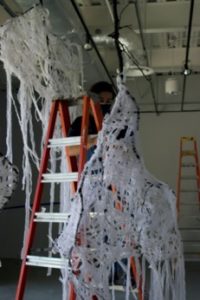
(102, 91)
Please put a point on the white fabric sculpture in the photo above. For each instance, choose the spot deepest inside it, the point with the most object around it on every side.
(48, 68)
(8, 180)
(145, 228)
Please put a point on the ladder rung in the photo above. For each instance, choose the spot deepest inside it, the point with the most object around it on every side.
(190, 191)
(190, 229)
(69, 141)
(41, 217)
(188, 153)
(51, 217)
(191, 204)
(46, 262)
(189, 177)
(60, 177)
(121, 288)
(187, 138)
(189, 165)
(191, 256)
(192, 243)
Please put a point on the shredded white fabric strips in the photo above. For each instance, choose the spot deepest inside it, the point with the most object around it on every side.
(120, 211)
(47, 68)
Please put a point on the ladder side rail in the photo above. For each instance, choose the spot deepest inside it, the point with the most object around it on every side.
(84, 134)
(179, 179)
(137, 278)
(97, 113)
(36, 201)
(197, 169)
(135, 274)
(65, 125)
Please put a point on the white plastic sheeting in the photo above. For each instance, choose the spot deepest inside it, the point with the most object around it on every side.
(47, 68)
(145, 228)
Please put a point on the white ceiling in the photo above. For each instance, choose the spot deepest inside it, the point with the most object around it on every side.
(164, 30)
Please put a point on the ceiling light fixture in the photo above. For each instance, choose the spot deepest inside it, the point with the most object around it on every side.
(138, 71)
(171, 86)
(87, 46)
(187, 71)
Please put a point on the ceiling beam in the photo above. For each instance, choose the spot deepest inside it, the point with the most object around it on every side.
(173, 58)
(166, 30)
(156, 15)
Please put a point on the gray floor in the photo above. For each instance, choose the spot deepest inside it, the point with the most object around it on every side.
(41, 287)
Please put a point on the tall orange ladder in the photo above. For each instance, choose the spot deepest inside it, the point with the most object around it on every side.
(61, 107)
(188, 197)
(58, 107)
(184, 154)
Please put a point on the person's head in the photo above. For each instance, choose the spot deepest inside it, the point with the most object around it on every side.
(104, 90)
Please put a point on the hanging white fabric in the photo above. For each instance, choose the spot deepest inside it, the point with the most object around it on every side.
(8, 180)
(144, 228)
(48, 67)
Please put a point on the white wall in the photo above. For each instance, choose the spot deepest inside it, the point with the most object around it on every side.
(160, 141)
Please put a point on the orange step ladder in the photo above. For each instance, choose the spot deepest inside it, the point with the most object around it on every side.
(188, 149)
(60, 107)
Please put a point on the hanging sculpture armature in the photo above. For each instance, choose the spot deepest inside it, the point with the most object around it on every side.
(8, 180)
(145, 228)
(47, 68)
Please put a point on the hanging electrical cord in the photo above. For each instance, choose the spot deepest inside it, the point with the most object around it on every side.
(7, 8)
(123, 10)
(134, 60)
(119, 45)
(116, 36)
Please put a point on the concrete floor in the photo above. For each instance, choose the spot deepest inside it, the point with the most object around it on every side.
(41, 287)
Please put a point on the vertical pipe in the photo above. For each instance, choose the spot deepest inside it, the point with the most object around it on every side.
(187, 51)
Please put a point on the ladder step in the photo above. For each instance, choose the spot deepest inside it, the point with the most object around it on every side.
(189, 222)
(189, 177)
(42, 217)
(188, 165)
(190, 235)
(191, 247)
(192, 256)
(46, 262)
(121, 288)
(194, 205)
(190, 191)
(188, 153)
(69, 141)
(51, 217)
(189, 210)
(60, 177)
(193, 243)
(189, 228)
(187, 138)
